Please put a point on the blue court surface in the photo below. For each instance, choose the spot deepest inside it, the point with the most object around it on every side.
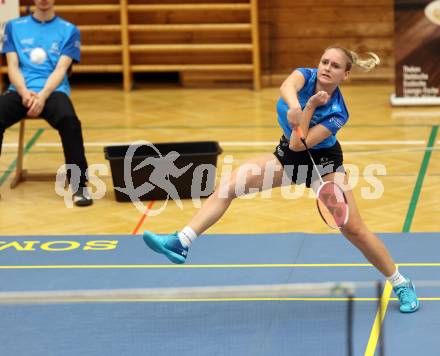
(296, 326)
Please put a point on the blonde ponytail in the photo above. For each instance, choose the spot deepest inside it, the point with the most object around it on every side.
(353, 58)
(365, 64)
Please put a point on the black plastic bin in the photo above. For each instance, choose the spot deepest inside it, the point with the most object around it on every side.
(197, 181)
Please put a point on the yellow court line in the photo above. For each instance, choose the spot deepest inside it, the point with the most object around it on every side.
(201, 266)
(259, 265)
(242, 299)
(377, 325)
(282, 299)
(420, 298)
(419, 264)
(311, 299)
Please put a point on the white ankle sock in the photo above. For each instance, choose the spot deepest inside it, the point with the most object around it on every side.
(187, 236)
(396, 278)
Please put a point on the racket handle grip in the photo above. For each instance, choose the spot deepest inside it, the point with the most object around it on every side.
(299, 132)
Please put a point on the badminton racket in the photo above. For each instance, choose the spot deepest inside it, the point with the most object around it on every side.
(330, 198)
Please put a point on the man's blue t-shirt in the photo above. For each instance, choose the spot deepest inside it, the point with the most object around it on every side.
(332, 115)
(56, 37)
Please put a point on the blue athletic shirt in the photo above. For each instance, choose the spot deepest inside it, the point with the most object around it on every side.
(57, 37)
(332, 115)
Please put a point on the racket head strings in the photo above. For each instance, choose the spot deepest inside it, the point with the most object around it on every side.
(332, 205)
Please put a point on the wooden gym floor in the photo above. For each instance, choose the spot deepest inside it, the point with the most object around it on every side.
(403, 141)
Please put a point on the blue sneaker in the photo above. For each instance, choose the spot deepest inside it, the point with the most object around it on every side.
(406, 292)
(168, 245)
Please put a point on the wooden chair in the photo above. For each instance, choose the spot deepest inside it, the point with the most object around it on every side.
(20, 173)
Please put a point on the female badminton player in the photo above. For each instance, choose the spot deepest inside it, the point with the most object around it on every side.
(311, 100)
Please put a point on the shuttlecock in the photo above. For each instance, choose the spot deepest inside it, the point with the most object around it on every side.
(38, 55)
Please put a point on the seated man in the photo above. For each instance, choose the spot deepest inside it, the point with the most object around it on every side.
(39, 50)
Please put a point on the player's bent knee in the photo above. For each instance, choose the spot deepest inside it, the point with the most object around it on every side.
(355, 232)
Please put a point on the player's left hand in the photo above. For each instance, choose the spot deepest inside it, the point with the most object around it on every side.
(319, 99)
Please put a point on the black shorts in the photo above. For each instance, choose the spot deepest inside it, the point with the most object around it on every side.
(298, 166)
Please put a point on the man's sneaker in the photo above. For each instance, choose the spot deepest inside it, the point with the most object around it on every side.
(82, 197)
(406, 292)
(168, 245)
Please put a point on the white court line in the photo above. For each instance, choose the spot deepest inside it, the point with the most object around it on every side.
(413, 113)
(381, 143)
(344, 143)
(236, 143)
(392, 150)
